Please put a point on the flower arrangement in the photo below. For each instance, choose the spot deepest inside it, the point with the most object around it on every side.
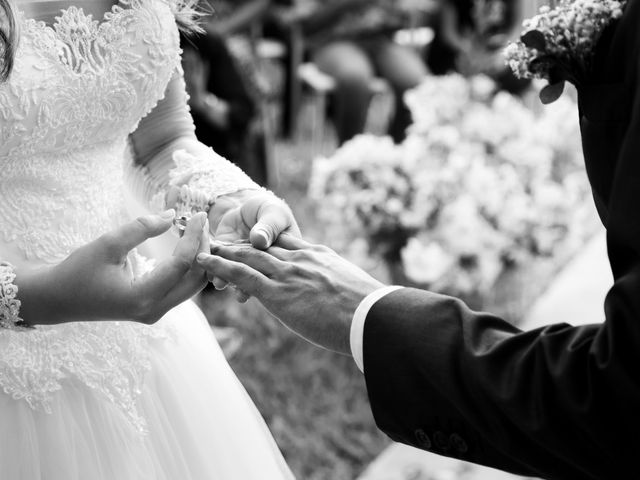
(558, 43)
(481, 184)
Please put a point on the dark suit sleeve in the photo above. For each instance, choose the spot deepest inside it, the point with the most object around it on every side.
(557, 402)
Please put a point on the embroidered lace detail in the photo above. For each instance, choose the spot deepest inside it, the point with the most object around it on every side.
(55, 202)
(9, 303)
(111, 358)
(77, 90)
(200, 180)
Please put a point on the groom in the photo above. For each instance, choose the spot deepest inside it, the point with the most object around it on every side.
(558, 402)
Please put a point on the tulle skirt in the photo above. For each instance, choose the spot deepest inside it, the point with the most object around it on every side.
(200, 422)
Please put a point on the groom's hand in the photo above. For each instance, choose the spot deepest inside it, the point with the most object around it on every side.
(309, 288)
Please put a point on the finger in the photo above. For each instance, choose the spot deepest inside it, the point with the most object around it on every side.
(231, 226)
(121, 240)
(222, 206)
(218, 283)
(256, 259)
(189, 285)
(244, 277)
(292, 242)
(191, 241)
(170, 271)
(273, 218)
(241, 297)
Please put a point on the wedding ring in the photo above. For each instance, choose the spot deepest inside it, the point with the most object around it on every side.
(180, 225)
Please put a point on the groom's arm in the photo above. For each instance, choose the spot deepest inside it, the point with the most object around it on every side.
(470, 385)
(560, 401)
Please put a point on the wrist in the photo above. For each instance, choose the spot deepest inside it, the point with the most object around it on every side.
(34, 293)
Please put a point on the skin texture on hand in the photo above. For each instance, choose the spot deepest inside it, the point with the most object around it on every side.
(256, 216)
(309, 288)
(96, 281)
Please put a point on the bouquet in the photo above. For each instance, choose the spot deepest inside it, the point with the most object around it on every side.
(557, 44)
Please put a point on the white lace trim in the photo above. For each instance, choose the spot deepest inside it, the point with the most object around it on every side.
(111, 358)
(9, 303)
(200, 181)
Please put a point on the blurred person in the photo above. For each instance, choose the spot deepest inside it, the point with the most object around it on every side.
(222, 108)
(107, 369)
(351, 41)
(470, 36)
(228, 88)
(559, 401)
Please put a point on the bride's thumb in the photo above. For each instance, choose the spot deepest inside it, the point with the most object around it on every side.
(274, 217)
(262, 235)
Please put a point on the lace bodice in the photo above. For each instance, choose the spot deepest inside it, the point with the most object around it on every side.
(78, 89)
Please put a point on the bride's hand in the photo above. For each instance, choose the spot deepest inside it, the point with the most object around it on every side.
(254, 215)
(96, 282)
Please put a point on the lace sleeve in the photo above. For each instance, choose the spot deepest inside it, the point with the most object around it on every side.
(9, 303)
(171, 168)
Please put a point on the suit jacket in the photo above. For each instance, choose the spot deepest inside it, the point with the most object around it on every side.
(558, 402)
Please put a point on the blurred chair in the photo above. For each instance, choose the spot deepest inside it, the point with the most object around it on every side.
(308, 85)
(320, 85)
(267, 52)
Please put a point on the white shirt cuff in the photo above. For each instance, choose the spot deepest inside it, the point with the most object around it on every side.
(357, 324)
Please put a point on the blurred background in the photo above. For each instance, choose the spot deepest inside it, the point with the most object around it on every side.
(401, 139)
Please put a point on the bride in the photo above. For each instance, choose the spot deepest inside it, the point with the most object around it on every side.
(106, 372)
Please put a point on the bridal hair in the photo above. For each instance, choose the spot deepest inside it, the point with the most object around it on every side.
(186, 12)
(8, 37)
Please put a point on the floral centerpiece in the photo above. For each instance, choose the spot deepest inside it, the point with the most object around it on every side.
(480, 185)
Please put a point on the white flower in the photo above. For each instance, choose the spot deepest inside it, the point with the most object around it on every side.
(480, 181)
(426, 263)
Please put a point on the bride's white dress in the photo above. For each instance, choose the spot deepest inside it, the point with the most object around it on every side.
(108, 400)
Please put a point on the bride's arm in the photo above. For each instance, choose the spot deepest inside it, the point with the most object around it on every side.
(173, 170)
(98, 281)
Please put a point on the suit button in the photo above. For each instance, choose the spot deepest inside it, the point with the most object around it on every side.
(441, 441)
(422, 439)
(458, 443)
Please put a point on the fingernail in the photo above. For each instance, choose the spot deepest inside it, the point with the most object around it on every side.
(201, 257)
(171, 213)
(263, 233)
